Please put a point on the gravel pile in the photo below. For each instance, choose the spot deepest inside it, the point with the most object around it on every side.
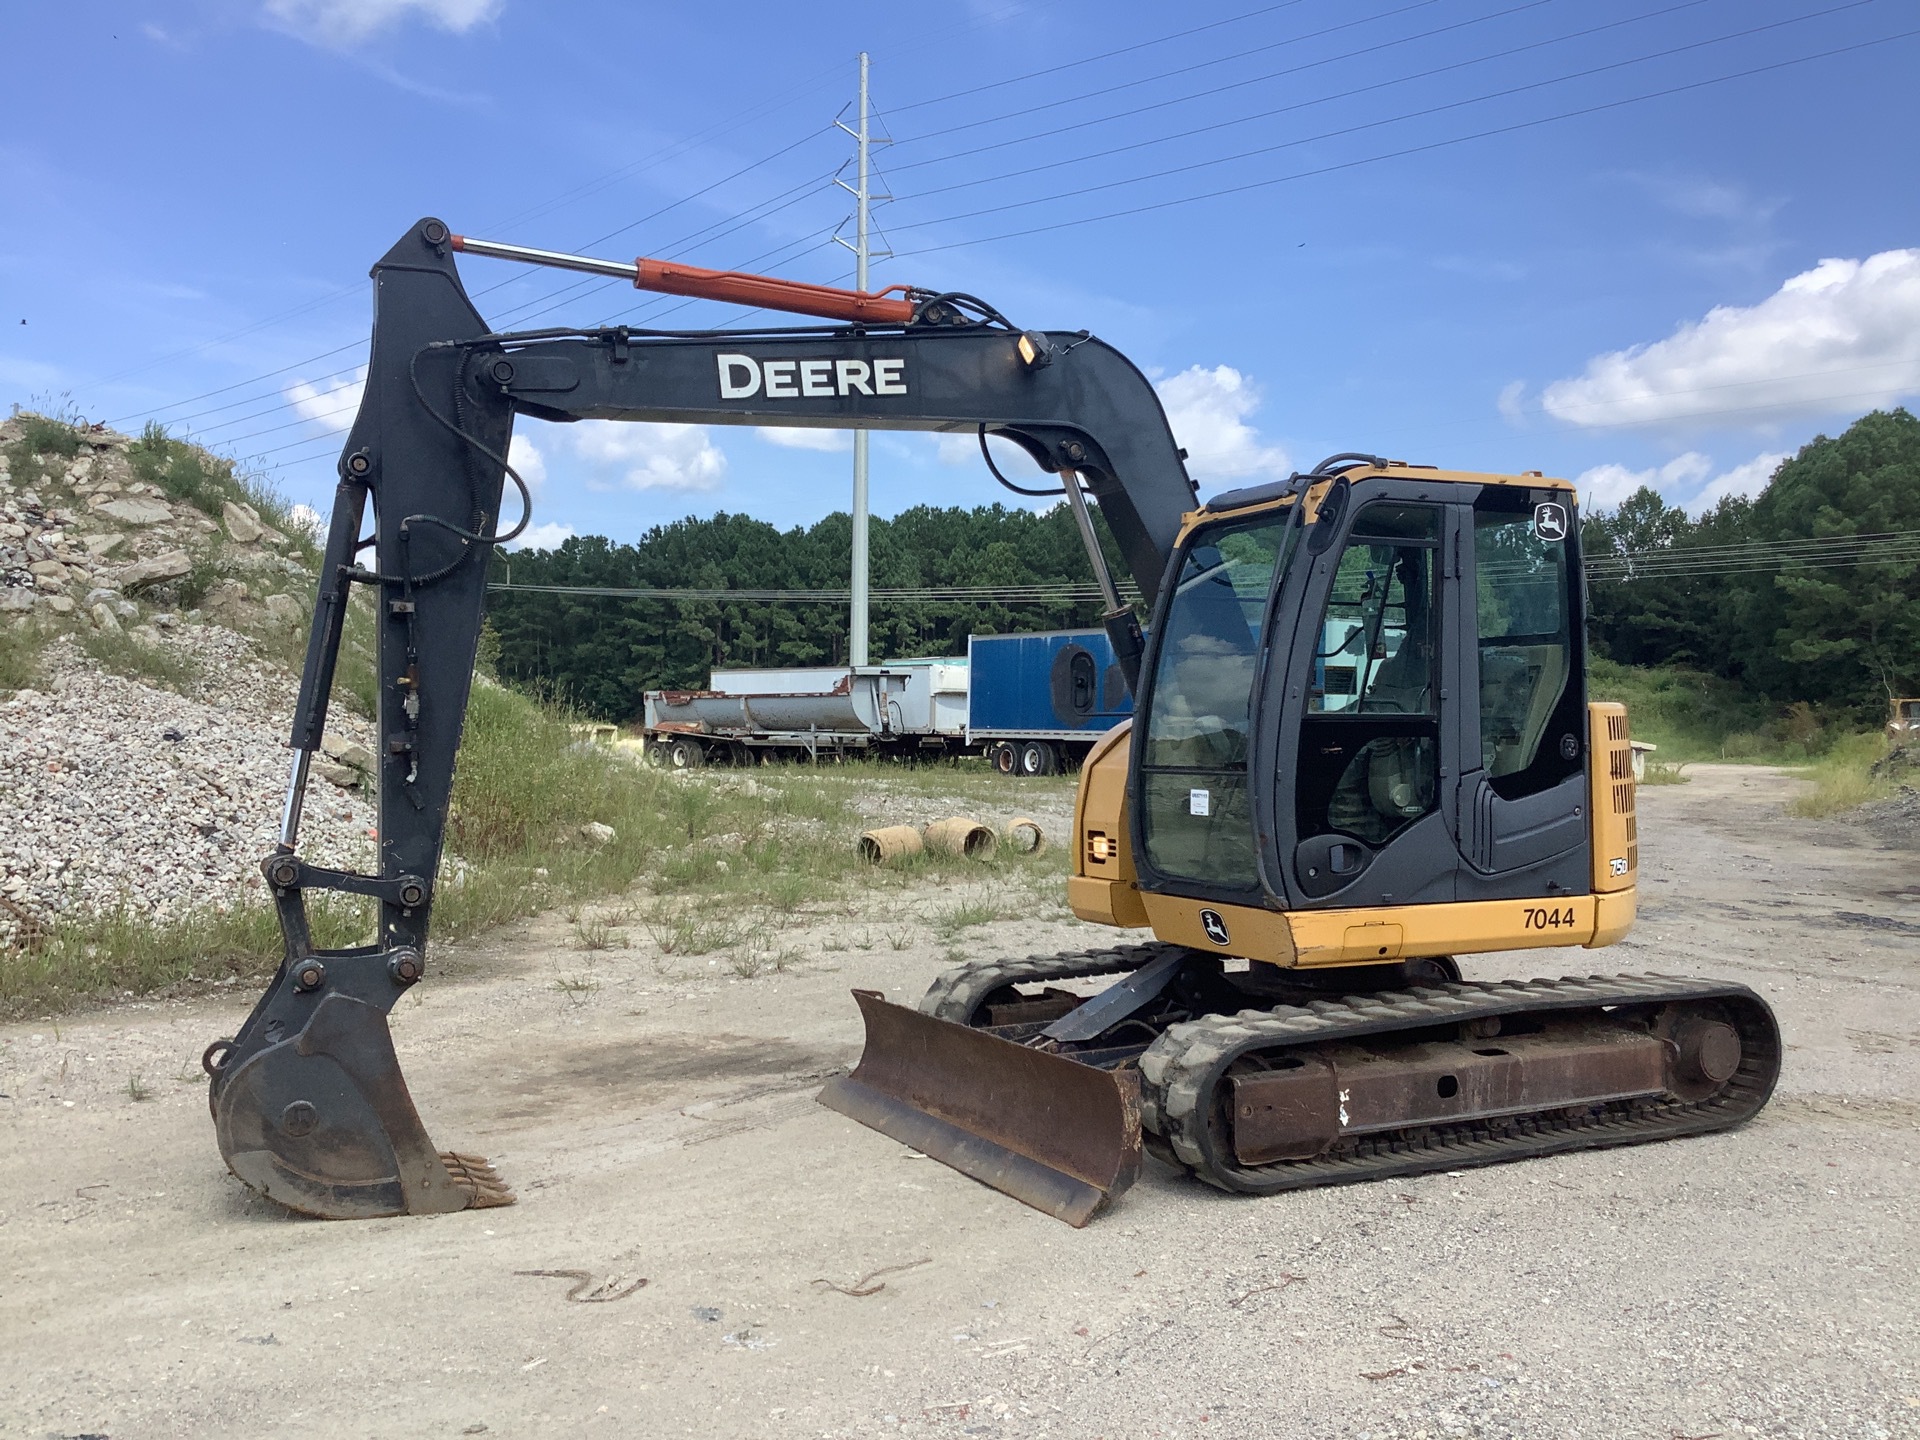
(1895, 819)
(114, 791)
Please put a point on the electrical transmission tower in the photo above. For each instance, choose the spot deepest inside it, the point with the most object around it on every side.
(861, 246)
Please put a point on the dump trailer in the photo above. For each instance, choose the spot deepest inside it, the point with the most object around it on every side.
(1037, 703)
(1307, 860)
(903, 709)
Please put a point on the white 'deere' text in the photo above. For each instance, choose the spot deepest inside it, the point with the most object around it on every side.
(741, 376)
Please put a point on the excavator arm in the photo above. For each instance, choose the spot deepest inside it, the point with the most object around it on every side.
(308, 1100)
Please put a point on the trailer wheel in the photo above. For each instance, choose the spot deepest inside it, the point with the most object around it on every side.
(1037, 757)
(1004, 757)
(686, 755)
(655, 754)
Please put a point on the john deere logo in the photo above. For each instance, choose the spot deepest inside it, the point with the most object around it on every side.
(1550, 521)
(1215, 927)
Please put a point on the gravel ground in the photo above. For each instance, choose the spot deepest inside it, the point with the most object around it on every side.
(656, 1117)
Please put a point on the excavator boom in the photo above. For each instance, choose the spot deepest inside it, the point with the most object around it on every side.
(308, 1100)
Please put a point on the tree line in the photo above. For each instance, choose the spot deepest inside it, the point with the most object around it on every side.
(1786, 592)
(602, 654)
(1740, 592)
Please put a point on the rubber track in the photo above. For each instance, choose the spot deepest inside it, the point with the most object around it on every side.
(1183, 1068)
(957, 993)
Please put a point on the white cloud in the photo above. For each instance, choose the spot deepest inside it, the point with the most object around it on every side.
(1607, 485)
(545, 536)
(1512, 401)
(308, 521)
(531, 464)
(794, 437)
(346, 22)
(1208, 411)
(1745, 480)
(648, 457)
(1841, 337)
(1687, 480)
(332, 408)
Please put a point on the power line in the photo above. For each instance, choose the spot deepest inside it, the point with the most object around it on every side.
(1150, 206)
(1341, 96)
(1028, 112)
(1052, 72)
(1055, 198)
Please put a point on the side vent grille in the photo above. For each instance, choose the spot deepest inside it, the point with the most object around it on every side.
(1617, 729)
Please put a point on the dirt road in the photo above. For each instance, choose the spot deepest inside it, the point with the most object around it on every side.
(656, 1118)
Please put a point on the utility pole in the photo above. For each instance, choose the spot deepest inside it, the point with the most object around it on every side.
(858, 624)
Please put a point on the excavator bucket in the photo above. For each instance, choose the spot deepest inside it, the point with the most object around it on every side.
(1061, 1136)
(321, 1121)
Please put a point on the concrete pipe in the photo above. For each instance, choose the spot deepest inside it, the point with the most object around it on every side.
(890, 843)
(1025, 836)
(960, 836)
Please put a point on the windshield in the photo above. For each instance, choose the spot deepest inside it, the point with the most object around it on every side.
(1203, 683)
(1197, 822)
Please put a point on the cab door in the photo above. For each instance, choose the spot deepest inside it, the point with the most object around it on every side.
(1523, 828)
(1368, 743)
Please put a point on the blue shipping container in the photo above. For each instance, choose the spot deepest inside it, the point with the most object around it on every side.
(1061, 685)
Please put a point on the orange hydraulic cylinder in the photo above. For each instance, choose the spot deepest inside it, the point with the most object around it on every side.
(796, 296)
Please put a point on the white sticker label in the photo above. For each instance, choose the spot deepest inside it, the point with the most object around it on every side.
(1618, 865)
(1199, 802)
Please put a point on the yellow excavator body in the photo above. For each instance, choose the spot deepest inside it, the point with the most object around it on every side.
(1403, 792)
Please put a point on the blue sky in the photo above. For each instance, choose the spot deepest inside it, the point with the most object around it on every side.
(1466, 234)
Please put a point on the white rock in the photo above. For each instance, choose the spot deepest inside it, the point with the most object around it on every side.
(137, 511)
(104, 617)
(594, 833)
(171, 566)
(242, 522)
(60, 604)
(348, 752)
(100, 545)
(285, 609)
(345, 776)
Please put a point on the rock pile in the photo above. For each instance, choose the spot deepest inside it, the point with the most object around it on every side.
(119, 791)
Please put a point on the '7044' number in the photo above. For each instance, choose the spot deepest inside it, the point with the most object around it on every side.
(1549, 918)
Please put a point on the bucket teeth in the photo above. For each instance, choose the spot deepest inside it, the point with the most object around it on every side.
(483, 1183)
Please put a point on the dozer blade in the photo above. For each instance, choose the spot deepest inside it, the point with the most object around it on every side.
(1061, 1136)
(322, 1122)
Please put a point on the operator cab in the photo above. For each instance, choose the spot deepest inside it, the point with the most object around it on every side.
(1368, 690)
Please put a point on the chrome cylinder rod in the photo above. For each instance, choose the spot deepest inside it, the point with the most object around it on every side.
(296, 798)
(466, 244)
(1077, 502)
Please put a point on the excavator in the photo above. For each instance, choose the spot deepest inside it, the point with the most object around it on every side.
(1361, 748)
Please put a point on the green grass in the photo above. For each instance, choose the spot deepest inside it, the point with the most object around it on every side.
(1694, 716)
(1659, 772)
(118, 653)
(1843, 778)
(42, 452)
(128, 951)
(20, 647)
(207, 481)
